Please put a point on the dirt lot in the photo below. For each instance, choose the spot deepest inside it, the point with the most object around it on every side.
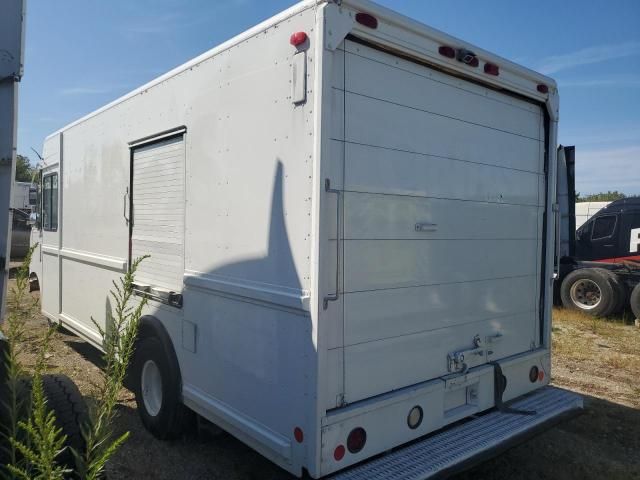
(600, 359)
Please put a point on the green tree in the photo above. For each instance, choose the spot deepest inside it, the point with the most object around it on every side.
(601, 197)
(24, 171)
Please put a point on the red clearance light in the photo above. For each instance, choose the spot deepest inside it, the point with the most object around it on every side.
(298, 39)
(491, 69)
(540, 376)
(298, 434)
(542, 88)
(367, 20)
(339, 452)
(356, 440)
(448, 52)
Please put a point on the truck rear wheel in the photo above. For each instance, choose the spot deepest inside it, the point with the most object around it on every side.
(635, 301)
(158, 390)
(589, 290)
(621, 294)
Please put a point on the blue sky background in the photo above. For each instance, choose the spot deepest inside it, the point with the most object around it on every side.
(82, 54)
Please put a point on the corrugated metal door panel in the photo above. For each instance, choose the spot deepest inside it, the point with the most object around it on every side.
(424, 149)
(158, 199)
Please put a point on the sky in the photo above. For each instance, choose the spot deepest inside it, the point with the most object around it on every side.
(82, 54)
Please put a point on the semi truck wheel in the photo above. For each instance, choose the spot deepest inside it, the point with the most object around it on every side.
(589, 290)
(157, 388)
(620, 292)
(70, 409)
(635, 301)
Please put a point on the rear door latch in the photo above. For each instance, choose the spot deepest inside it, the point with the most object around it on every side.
(462, 360)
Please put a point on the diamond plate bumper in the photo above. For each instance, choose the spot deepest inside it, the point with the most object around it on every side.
(463, 445)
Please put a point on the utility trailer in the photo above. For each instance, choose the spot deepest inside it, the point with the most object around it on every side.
(599, 263)
(350, 223)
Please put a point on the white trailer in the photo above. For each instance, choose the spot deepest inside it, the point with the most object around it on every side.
(22, 194)
(349, 217)
(586, 210)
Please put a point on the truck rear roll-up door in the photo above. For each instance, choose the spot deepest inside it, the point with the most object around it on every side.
(443, 207)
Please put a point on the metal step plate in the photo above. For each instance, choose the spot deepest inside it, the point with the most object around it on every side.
(470, 442)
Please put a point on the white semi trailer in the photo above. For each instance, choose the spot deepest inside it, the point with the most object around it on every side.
(351, 227)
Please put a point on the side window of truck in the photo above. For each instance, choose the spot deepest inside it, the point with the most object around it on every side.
(604, 227)
(50, 202)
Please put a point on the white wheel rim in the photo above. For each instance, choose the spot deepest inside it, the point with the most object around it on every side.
(586, 294)
(151, 388)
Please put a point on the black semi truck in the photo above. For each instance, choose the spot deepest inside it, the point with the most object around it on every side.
(599, 264)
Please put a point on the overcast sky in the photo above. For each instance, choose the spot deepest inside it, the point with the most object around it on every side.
(81, 54)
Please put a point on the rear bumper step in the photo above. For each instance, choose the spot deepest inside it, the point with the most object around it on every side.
(469, 443)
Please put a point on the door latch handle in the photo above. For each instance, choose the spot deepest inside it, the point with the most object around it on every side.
(124, 200)
(426, 227)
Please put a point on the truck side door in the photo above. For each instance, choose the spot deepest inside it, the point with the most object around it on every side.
(597, 239)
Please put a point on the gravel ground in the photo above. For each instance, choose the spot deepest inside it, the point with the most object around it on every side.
(603, 442)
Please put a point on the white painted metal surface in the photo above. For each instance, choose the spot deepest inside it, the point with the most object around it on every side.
(20, 197)
(411, 159)
(408, 202)
(586, 210)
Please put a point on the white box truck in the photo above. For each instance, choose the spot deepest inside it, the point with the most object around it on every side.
(351, 228)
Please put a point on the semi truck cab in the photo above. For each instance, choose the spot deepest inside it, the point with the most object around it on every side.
(612, 235)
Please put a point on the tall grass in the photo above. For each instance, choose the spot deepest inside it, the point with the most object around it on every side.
(31, 441)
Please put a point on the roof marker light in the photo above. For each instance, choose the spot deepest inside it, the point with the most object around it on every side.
(367, 20)
(542, 88)
(446, 51)
(298, 39)
(491, 69)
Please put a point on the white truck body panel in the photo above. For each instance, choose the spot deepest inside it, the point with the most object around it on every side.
(253, 196)
(586, 210)
(20, 197)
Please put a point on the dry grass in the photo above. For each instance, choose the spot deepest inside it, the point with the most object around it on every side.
(600, 357)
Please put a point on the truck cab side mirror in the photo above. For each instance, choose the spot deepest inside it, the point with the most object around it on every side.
(33, 219)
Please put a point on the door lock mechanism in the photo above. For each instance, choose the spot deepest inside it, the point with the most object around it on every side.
(462, 360)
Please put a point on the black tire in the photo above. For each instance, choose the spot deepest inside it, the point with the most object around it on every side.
(604, 292)
(66, 402)
(635, 301)
(172, 416)
(620, 291)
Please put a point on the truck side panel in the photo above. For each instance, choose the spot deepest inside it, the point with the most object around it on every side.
(243, 337)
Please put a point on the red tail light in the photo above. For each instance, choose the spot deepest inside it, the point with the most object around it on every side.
(338, 453)
(448, 52)
(356, 440)
(298, 434)
(367, 20)
(491, 69)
